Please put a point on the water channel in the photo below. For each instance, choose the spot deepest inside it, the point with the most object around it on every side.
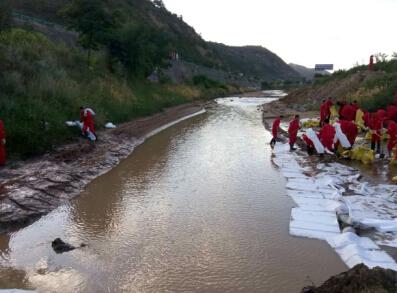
(198, 207)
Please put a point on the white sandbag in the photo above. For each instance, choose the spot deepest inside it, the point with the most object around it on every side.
(356, 250)
(314, 138)
(90, 135)
(74, 124)
(89, 110)
(110, 125)
(341, 137)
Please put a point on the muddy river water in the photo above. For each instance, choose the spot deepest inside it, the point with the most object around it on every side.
(198, 207)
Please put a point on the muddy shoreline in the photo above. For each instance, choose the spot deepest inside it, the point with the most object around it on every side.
(33, 188)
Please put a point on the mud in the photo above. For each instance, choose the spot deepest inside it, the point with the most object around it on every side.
(359, 279)
(31, 189)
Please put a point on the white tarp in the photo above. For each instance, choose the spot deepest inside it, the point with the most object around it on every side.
(321, 196)
(314, 138)
(341, 137)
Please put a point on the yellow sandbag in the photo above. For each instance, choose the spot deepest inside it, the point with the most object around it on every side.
(359, 119)
(394, 179)
(311, 123)
(368, 135)
(385, 136)
(368, 157)
(357, 153)
(334, 112)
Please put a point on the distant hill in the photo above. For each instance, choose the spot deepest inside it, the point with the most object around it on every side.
(305, 72)
(254, 63)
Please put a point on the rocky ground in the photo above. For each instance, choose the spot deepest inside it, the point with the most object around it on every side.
(31, 189)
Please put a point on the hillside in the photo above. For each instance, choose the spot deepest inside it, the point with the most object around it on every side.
(373, 90)
(307, 73)
(254, 62)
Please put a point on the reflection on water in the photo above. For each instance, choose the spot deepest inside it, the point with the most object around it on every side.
(197, 208)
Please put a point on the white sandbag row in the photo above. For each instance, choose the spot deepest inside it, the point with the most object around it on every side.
(313, 224)
(355, 250)
(320, 197)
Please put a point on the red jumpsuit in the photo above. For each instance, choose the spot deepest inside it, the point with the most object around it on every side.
(367, 118)
(327, 135)
(324, 112)
(275, 127)
(2, 145)
(293, 130)
(381, 114)
(392, 131)
(350, 130)
(88, 123)
(348, 113)
(392, 112)
(308, 141)
(341, 107)
(375, 126)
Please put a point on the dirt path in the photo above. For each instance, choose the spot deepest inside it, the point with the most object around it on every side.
(31, 189)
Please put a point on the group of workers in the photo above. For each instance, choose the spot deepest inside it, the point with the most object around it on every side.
(345, 129)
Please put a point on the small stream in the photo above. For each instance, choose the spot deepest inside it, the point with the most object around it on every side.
(199, 207)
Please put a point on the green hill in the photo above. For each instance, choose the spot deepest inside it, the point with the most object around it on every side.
(255, 62)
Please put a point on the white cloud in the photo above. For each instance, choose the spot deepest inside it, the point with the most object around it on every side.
(306, 32)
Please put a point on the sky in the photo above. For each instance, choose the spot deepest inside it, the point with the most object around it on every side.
(305, 32)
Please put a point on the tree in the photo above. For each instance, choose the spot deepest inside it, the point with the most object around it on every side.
(91, 20)
(140, 48)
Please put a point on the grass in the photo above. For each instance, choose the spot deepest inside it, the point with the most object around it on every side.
(43, 84)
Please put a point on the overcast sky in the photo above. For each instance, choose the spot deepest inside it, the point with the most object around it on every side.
(305, 32)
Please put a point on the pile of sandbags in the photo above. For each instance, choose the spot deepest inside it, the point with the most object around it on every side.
(310, 123)
(363, 154)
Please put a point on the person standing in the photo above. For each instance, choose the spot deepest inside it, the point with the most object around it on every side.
(293, 132)
(376, 125)
(2, 144)
(327, 135)
(88, 125)
(275, 128)
(371, 63)
(392, 131)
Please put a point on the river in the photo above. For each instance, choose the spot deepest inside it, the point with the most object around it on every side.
(199, 207)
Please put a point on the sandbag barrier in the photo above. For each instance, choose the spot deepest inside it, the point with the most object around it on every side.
(330, 196)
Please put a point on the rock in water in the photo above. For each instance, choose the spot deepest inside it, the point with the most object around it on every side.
(359, 279)
(60, 247)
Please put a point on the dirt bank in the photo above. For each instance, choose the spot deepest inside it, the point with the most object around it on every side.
(31, 189)
(359, 279)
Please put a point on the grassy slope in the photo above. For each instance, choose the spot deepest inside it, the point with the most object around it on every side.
(255, 62)
(373, 90)
(45, 82)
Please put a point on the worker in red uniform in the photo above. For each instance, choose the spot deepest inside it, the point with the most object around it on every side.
(309, 145)
(381, 114)
(371, 63)
(350, 129)
(327, 135)
(392, 131)
(391, 112)
(275, 128)
(348, 113)
(376, 125)
(367, 118)
(88, 123)
(324, 108)
(340, 111)
(293, 129)
(2, 144)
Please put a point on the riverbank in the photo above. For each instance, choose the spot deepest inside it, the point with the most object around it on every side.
(31, 189)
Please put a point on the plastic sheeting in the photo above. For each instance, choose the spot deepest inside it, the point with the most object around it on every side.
(314, 138)
(322, 192)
